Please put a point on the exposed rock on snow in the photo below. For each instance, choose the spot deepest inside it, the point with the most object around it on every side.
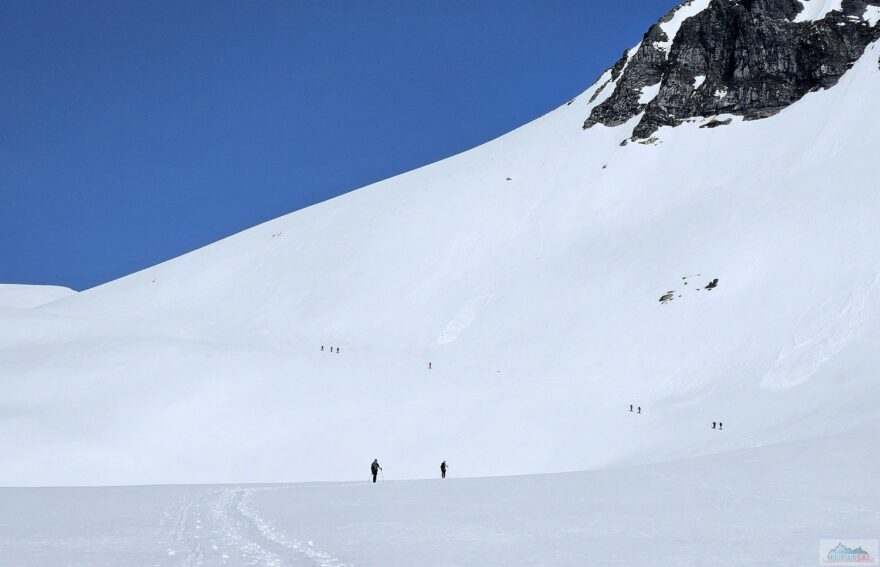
(756, 56)
(714, 123)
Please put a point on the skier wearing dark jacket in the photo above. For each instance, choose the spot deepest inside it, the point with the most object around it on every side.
(375, 468)
(443, 469)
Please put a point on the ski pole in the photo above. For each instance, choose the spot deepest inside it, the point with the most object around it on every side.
(383, 474)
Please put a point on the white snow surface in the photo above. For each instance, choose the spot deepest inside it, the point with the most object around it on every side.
(528, 272)
(698, 81)
(28, 296)
(872, 15)
(817, 9)
(649, 93)
(758, 507)
(670, 28)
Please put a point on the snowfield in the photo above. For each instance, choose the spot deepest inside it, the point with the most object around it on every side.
(758, 507)
(501, 309)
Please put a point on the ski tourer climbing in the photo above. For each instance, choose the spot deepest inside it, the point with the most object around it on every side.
(443, 469)
(375, 468)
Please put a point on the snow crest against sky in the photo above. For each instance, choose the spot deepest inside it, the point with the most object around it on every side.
(134, 132)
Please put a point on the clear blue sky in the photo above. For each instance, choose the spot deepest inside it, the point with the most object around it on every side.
(133, 132)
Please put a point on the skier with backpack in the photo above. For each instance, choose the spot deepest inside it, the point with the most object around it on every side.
(443, 469)
(374, 469)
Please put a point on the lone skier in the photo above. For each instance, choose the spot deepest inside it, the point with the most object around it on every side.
(375, 468)
(443, 469)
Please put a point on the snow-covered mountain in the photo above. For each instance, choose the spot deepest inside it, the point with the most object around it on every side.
(28, 296)
(736, 143)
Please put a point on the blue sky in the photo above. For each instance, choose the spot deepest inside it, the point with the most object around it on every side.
(133, 132)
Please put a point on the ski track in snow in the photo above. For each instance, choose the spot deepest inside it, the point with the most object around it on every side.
(221, 527)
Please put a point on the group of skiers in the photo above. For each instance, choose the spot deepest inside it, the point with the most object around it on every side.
(715, 424)
(376, 467)
(331, 349)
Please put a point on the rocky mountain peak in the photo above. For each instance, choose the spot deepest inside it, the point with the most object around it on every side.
(750, 58)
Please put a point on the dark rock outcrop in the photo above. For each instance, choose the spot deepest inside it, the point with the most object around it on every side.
(752, 60)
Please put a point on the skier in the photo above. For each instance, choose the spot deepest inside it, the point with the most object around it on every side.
(630, 408)
(713, 284)
(429, 366)
(337, 350)
(375, 468)
(322, 348)
(713, 425)
(443, 469)
(720, 425)
(639, 409)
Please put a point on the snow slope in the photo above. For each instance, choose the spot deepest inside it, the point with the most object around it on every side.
(528, 272)
(759, 507)
(28, 296)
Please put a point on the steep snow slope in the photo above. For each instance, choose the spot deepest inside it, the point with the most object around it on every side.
(528, 272)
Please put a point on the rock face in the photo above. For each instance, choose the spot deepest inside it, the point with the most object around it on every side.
(745, 57)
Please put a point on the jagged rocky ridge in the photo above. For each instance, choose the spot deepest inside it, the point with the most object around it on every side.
(744, 57)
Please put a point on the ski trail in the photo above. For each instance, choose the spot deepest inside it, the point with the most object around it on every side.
(235, 533)
(272, 534)
(185, 536)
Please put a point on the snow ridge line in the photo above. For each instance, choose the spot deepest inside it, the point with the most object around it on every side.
(268, 530)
